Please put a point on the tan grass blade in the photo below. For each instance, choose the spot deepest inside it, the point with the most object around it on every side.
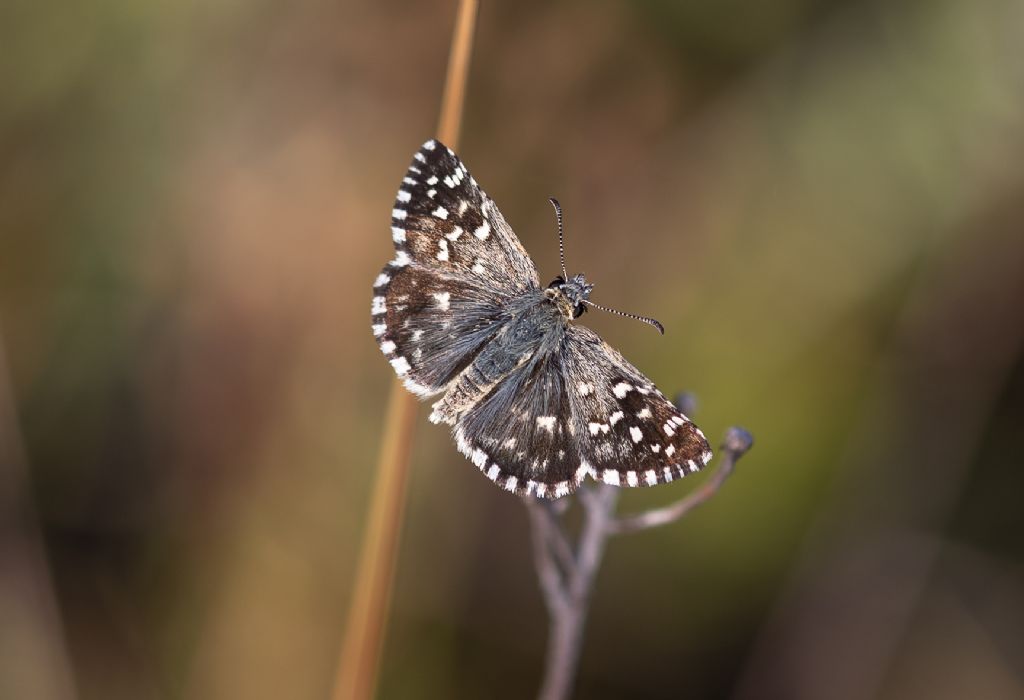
(368, 613)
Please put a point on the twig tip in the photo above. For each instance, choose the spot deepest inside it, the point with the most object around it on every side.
(737, 440)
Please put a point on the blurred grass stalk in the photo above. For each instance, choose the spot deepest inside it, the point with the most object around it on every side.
(368, 613)
(34, 661)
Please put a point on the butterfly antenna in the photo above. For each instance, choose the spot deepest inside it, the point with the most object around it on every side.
(645, 319)
(561, 236)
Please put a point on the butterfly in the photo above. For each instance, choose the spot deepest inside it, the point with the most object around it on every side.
(535, 401)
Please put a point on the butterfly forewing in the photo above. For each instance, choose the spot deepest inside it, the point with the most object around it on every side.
(456, 263)
(443, 221)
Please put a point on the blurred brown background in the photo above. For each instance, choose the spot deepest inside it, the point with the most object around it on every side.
(820, 199)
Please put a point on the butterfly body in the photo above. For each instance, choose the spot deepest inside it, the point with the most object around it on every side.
(570, 295)
(537, 402)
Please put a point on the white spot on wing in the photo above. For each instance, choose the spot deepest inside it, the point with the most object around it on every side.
(637, 434)
(379, 329)
(401, 366)
(404, 196)
(401, 259)
(493, 472)
(616, 417)
(655, 447)
(644, 413)
(432, 180)
(398, 213)
(430, 145)
(479, 458)
(511, 483)
(379, 306)
(610, 476)
(651, 476)
(670, 450)
(387, 347)
(669, 430)
(397, 234)
(460, 438)
(417, 388)
(454, 234)
(443, 300)
(546, 422)
(621, 389)
(483, 231)
(632, 479)
(478, 268)
(584, 388)
(442, 253)
(381, 280)
(441, 213)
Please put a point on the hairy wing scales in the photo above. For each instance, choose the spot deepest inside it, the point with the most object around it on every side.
(430, 327)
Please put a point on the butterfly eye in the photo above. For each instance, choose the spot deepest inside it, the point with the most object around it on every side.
(557, 282)
(579, 310)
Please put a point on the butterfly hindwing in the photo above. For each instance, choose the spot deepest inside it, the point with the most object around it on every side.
(520, 432)
(573, 408)
(632, 434)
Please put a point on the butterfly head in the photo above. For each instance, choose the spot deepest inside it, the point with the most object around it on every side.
(570, 295)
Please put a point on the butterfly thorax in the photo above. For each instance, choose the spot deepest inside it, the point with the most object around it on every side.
(568, 296)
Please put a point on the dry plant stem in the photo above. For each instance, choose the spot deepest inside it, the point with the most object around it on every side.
(567, 593)
(737, 442)
(368, 613)
(364, 633)
(567, 577)
(544, 560)
(450, 122)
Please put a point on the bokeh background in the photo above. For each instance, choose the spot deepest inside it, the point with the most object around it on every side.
(820, 199)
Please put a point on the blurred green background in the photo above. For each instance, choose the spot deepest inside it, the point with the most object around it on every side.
(820, 199)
